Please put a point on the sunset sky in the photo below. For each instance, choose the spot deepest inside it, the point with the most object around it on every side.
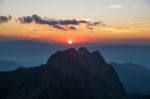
(82, 21)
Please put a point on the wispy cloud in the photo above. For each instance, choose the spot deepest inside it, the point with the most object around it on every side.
(4, 19)
(117, 6)
(121, 29)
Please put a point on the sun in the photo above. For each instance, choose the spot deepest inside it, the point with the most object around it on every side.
(70, 42)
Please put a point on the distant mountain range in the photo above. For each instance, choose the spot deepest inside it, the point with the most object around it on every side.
(31, 53)
(126, 54)
(68, 74)
(6, 65)
(136, 78)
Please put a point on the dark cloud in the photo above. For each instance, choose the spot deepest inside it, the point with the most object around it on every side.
(83, 21)
(4, 19)
(59, 27)
(91, 25)
(59, 24)
(26, 19)
(39, 20)
(99, 23)
(69, 22)
(72, 28)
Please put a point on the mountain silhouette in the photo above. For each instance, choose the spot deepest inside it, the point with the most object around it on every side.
(68, 74)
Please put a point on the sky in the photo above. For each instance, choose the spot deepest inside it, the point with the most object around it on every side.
(82, 21)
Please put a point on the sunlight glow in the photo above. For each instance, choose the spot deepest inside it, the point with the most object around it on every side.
(70, 42)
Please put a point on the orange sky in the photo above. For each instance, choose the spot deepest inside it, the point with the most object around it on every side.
(126, 20)
(82, 35)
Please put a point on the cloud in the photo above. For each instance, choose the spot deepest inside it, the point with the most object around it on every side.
(91, 25)
(4, 19)
(69, 22)
(115, 6)
(72, 28)
(27, 19)
(59, 24)
(122, 29)
(59, 27)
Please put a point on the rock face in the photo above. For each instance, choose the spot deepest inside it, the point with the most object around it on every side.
(68, 74)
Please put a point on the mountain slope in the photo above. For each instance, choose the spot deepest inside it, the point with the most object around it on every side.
(135, 78)
(68, 74)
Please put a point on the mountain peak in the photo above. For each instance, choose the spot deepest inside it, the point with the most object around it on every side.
(83, 50)
(71, 50)
(69, 55)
